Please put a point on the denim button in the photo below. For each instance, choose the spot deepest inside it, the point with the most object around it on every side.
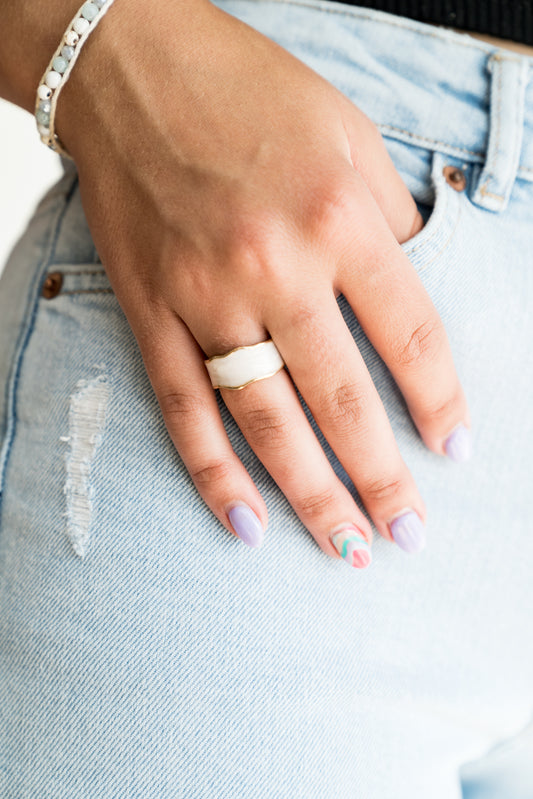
(52, 285)
(455, 177)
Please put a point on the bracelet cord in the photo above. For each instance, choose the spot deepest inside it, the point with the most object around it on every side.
(59, 69)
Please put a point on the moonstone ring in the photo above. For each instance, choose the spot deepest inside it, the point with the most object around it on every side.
(238, 368)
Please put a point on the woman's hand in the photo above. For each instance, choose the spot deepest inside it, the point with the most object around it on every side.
(232, 193)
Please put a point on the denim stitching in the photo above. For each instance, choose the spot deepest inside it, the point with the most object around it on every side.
(437, 230)
(86, 291)
(490, 177)
(74, 273)
(424, 138)
(445, 246)
(518, 126)
(32, 302)
(351, 12)
(501, 57)
(520, 112)
(486, 193)
(68, 198)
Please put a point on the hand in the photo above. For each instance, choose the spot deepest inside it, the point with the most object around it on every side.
(232, 193)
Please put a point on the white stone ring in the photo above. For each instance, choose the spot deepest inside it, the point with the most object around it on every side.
(238, 368)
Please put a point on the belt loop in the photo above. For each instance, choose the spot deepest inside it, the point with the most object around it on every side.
(509, 75)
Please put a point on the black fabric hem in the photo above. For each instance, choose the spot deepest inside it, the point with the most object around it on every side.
(506, 19)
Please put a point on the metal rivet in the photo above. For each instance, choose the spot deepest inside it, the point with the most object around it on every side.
(52, 285)
(455, 177)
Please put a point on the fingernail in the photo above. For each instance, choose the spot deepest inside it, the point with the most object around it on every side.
(353, 547)
(246, 524)
(408, 531)
(458, 445)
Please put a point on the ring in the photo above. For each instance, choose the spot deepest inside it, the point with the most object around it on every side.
(244, 365)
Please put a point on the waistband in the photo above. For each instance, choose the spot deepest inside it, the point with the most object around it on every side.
(435, 88)
(508, 19)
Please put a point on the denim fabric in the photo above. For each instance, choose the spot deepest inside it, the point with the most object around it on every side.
(145, 652)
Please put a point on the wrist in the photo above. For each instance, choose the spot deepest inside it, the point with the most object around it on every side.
(136, 47)
(29, 34)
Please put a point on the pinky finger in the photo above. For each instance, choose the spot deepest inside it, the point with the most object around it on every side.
(174, 363)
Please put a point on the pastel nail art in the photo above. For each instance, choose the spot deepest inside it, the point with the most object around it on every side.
(408, 531)
(246, 524)
(458, 445)
(353, 547)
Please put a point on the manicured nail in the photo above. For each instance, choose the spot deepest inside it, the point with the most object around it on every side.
(458, 445)
(246, 524)
(351, 545)
(408, 531)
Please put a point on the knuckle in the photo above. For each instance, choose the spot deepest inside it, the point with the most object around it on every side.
(252, 242)
(248, 242)
(344, 406)
(443, 410)
(255, 223)
(302, 318)
(328, 208)
(314, 505)
(256, 255)
(383, 489)
(211, 473)
(266, 427)
(422, 346)
(177, 405)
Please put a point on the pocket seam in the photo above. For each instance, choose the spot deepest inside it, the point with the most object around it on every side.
(444, 246)
(70, 292)
(58, 212)
(77, 272)
(446, 212)
(73, 277)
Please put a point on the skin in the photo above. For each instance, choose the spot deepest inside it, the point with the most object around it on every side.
(232, 194)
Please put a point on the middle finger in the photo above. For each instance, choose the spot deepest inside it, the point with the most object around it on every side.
(330, 373)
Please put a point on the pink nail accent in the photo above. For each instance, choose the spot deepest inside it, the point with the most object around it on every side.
(353, 547)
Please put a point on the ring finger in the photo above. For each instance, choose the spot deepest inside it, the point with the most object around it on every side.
(271, 417)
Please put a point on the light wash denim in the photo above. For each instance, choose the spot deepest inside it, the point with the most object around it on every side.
(147, 653)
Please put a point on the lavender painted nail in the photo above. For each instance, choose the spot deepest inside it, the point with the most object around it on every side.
(246, 525)
(458, 445)
(409, 532)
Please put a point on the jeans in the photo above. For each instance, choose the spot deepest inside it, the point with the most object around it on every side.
(144, 651)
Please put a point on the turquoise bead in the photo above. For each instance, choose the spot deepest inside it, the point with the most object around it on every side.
(67, 52)
(45, 105)
(89, 11)
(42, 118)
(60, 64)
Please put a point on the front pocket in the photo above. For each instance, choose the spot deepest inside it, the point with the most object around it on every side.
(433, 240)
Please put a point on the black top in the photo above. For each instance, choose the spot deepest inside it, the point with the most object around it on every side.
(507, 19)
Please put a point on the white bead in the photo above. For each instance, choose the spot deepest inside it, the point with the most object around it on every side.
(81, 25)
(53, 79)
(44, 92)
(72, 38)
(43, 131)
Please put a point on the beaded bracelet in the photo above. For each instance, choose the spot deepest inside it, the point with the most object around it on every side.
(58, 70)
